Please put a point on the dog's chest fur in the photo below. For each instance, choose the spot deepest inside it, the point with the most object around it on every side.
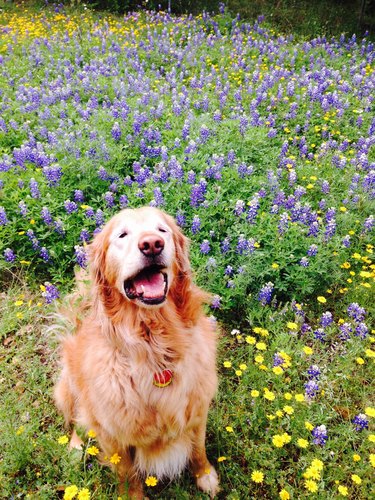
(125, 401)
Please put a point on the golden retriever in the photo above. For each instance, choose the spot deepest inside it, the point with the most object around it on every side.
(141, 368)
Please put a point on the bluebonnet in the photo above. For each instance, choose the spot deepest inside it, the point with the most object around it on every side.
(46, 216)
(44, 254)
(265, 293)
(313, 250)
(361, 330)
(311, 388)
(50, 293)
(319, 334)
(283, 222)
(356, 312)
(180, 219)
(345, 331)
(116, 132)
(79, 196)
(216, 302)
(346, 241)
(34, 188)
(124, 201)
(225, 245)
(34, 240)
(196, 225)
(70, 206)
(205, 247)
(326, 319)
(304, 262)
(109, 199)
(320, 435)
(3, 217)
(9, 255)
(313, 371)
(80, 256)
(84, 235)
(360, 422)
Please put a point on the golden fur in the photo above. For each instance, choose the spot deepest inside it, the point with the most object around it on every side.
(108, 364)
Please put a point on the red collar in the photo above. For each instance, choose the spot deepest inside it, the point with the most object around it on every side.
(163, 378)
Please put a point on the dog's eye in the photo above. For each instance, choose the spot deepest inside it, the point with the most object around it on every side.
(162, 230)
(123, 234)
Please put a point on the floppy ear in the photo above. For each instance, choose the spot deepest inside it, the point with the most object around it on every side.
(187, 297)
(97, 251)
(103, 291)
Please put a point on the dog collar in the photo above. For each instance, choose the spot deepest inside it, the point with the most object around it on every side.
(163, 378)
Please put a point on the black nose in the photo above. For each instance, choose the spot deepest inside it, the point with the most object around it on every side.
(151, 245)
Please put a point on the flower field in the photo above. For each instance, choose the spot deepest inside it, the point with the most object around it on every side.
(263, 148)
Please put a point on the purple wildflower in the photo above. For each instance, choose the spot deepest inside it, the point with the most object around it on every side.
(79, 196)
(180, 219)
(216, 302)
(196, 225)
(304, 262)
(320, 435)
(205, 247)
(239, 208)
(116, 132)
(265, 293)
(44, 254)
(311, 388)
(46, 216)
(361, 330)
(283, 222)
(361, 422)
(50, 293)
(326, 319)
(312, 251)
(356, 312)
(345, 331)
(70, 206)
(319, 334)
(81, 256)
(3, 217)
(124, 201)
(34, 189)
(313, 371)
(225, 245)
(9, 255)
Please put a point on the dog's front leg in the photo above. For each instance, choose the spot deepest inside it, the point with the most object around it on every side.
(130, 484)
(205, 474)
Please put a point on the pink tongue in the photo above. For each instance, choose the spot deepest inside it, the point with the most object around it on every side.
(151, 285)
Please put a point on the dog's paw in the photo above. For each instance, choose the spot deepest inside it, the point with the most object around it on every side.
(209, 482)
(76, 442)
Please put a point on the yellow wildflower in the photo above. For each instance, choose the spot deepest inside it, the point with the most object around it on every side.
(254, 393)
(70, 492)
(311, 486)
(356, 479)
(302, 443)
(284, 495)
(93, 450)
(63, 440)
(151, 481)
(84, 494)
(343, 490)
(115, 458)
(257, 476)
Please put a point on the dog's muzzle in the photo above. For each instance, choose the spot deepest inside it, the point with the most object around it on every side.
(150, 285)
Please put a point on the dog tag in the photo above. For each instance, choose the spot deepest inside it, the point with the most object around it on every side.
(163, 379)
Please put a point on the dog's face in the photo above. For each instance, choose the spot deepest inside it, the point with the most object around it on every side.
(140, 252)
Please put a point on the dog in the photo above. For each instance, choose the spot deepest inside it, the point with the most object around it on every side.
(140, 369)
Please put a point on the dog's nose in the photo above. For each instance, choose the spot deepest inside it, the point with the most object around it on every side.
(151, 245)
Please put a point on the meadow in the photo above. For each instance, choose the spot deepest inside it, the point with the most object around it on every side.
(262, 146)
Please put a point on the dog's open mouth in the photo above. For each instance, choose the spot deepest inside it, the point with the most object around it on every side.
(150, 286)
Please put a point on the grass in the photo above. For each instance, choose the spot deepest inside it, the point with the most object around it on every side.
(263, 148)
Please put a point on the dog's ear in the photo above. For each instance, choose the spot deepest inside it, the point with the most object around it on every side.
(187, 297)
(97, 251)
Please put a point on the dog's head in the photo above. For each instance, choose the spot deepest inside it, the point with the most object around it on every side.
(142, 255)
